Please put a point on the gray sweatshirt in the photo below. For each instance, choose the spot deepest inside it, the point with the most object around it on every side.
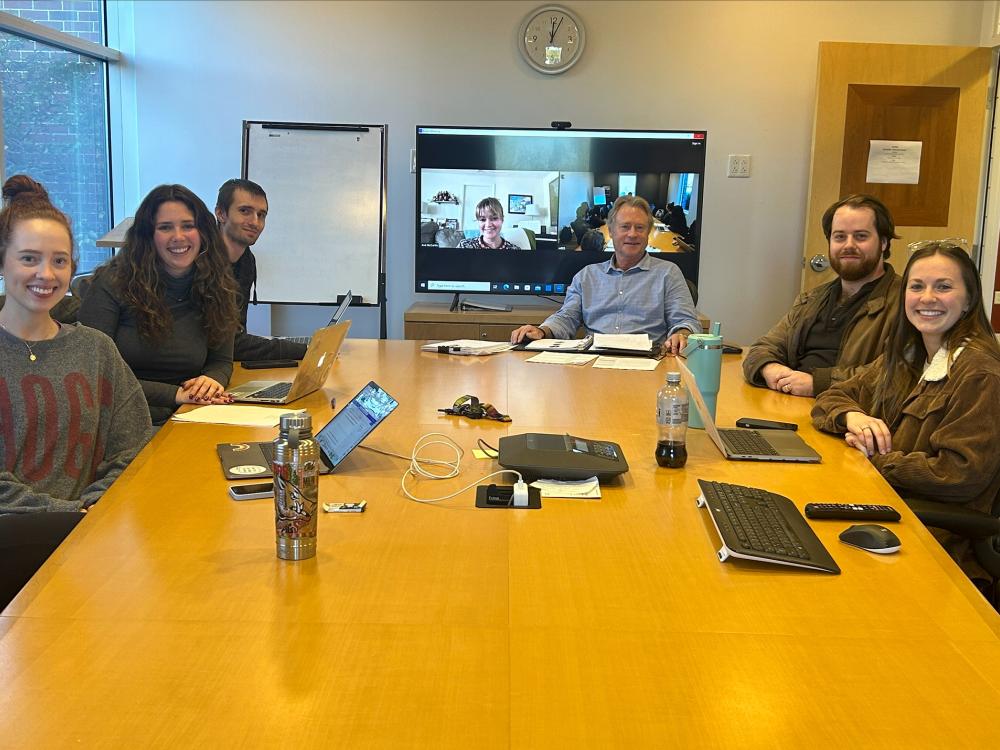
(70, 422)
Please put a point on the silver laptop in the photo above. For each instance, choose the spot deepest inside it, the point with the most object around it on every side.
(310, 376)
(337, 316)
(739, 444)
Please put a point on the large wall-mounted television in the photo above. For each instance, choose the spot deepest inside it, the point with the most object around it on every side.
(554, 189)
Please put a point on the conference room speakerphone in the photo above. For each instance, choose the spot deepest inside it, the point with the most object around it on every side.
(543, 456)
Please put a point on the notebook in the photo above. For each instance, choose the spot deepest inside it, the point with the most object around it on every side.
(626, 345)
(338, 314)
(309, 377)
(336, 440)
(739, 444)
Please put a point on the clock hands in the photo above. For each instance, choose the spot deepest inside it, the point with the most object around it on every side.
(554, 26)
(547, 43)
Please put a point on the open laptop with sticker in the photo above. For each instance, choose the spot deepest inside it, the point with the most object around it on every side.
(309, 377)
(337, 316)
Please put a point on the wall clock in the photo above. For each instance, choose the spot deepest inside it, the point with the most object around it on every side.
(552, 39)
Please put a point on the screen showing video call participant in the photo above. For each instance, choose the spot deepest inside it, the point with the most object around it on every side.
(489, 214)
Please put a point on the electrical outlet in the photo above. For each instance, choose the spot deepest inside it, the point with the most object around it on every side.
(996, 298)
(739, 165)
(413, 161)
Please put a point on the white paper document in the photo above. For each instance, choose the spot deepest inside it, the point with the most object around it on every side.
(583, 489)
(232, 414)
(561, 358)
(638, 342)
(471, 347)
(625, 363)
(560, 345)
(895, 162)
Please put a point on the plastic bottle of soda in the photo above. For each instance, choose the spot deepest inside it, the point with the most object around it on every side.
(671, 421)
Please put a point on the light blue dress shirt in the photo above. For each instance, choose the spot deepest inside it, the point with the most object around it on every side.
(651, 297)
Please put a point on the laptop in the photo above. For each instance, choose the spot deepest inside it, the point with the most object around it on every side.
(739, 444)
(338, 314)
(309, 377)
(336, 440)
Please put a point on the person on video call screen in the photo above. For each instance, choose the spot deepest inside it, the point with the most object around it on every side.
(489, 214)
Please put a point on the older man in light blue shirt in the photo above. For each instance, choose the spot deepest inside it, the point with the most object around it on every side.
(631, 293)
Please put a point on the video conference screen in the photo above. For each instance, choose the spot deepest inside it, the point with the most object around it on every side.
(520, 211)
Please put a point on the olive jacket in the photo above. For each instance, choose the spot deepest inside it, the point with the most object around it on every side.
(863, 338)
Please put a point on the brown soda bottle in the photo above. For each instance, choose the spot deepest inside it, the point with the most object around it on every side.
(671, 423)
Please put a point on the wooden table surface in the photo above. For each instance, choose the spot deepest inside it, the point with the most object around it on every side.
(166, 620)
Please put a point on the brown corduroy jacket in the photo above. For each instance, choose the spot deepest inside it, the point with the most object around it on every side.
(863, 338)
(945, 437)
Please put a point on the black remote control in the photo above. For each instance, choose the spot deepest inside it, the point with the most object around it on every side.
(852, 511)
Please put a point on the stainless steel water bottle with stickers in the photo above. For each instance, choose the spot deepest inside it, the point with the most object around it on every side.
(296, 487)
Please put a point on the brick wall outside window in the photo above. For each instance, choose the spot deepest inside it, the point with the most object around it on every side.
(55, 116)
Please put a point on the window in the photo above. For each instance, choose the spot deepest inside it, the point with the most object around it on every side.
(54, 114)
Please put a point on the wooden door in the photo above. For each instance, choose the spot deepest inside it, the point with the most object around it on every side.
(898, 92)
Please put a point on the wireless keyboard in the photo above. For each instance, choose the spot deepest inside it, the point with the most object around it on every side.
(758, 525)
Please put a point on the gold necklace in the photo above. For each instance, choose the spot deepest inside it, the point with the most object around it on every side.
(31, 354)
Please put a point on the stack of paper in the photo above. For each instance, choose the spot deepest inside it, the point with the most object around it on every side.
(561, 345)
(622, 342)
(561, 358)
(583, 489)
(626, 363)
(468, 347)
(233, 414)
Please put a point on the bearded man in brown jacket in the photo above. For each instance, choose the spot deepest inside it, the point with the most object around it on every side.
(835, 328)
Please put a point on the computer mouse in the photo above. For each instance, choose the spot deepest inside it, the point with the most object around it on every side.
(871, 537)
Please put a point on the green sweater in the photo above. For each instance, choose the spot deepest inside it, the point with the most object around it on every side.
(70, 422)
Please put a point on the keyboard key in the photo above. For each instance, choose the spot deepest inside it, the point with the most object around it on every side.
(278, 390)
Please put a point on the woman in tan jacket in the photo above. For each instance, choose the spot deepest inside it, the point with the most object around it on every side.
(927, 411)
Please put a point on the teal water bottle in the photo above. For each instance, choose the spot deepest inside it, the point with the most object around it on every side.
(704, 360)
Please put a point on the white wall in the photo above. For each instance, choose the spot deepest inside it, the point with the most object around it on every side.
(744, 71)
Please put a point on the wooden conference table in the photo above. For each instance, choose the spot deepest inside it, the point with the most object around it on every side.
(165, 620)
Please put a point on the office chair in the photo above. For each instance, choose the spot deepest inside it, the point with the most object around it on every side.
(694, 291)
(982, 529)
(80, 283)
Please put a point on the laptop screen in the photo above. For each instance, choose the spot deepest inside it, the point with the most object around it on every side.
(354, 422)
(341, 308)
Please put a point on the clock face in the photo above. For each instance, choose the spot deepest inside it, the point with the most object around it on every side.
(552, 39)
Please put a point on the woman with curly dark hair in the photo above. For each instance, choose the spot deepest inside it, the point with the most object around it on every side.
(168, 300)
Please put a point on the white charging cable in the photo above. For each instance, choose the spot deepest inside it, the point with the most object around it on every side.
(451, 469)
